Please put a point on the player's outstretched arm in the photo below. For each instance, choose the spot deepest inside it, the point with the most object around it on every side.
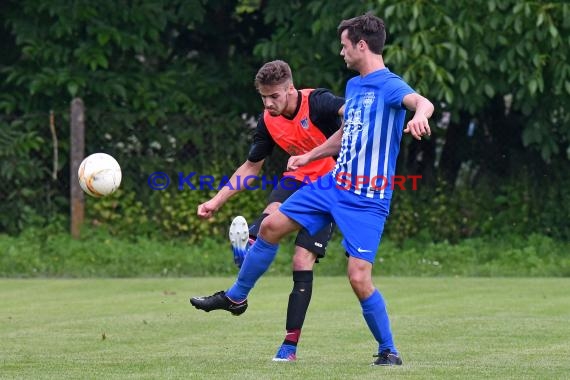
(418, 126)
(243, 176)
(329, 148)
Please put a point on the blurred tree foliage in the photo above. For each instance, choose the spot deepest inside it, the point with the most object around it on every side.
(168, 86)
(500, 65)
(155, 77)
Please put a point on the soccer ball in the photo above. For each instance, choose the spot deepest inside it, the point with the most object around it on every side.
(99, 175)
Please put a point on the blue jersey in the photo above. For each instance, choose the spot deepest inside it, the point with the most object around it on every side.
(373, 126)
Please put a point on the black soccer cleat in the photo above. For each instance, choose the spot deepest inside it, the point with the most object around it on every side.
(387, 358)
(218, 301)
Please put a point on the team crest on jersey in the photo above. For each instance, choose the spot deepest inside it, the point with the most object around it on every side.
(305, 123)
(368, 99)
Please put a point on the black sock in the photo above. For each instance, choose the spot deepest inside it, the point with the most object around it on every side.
(299, 300)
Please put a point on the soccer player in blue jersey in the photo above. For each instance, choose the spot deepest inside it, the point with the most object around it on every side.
(357, 193)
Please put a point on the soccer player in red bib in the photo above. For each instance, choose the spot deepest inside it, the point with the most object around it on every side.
(296, 121)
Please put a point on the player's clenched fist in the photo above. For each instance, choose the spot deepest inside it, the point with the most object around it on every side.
(206, 210)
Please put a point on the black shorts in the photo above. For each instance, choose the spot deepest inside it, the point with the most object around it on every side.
(317, 243)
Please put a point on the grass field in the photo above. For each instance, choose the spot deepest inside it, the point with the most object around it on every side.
(445, 328)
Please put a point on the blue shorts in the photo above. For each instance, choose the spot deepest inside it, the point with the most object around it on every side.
(359, 219)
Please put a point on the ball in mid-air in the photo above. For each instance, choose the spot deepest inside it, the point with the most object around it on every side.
(99, 175)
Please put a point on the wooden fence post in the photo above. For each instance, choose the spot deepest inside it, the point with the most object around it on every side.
(77, 150)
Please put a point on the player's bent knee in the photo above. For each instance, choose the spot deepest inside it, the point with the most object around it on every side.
(361, 286)
(360, 279)
(303, 259)
(276, 226)
(272, 207)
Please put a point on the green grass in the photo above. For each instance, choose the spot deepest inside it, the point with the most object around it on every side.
(98, 254)
(445, 328)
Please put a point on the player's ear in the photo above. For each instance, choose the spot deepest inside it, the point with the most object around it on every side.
(291, 87)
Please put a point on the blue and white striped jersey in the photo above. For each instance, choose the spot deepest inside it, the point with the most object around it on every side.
(373, 126)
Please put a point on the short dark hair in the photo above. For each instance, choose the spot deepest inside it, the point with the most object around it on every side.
(367, 28)
(273, 73)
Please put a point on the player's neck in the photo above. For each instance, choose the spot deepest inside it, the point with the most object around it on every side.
(372, 64)
(292, 104)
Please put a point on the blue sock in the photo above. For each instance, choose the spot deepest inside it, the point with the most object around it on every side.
(257, 261)
(376, 316)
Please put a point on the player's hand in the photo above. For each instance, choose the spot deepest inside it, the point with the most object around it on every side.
(418, 127)
(295, 162)
(207, 209)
